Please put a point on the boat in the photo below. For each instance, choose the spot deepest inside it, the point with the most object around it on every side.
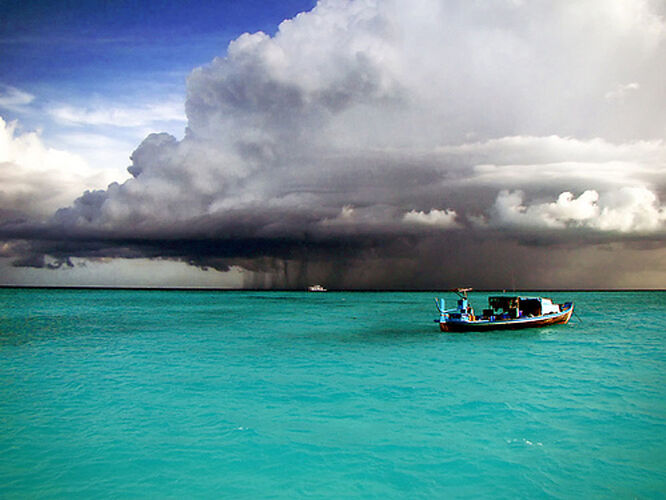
(316, 288)
(504, 312)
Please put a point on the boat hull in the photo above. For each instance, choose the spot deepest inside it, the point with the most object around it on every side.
(511, 324)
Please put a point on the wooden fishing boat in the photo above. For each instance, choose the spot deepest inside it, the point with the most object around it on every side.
(505, 312)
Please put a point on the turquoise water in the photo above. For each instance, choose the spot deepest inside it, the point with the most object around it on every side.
(287, 395)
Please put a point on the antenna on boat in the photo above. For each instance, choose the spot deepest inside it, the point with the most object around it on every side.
(462, 292)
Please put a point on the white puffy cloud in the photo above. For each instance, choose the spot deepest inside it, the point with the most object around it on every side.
(626, 210)
(35, 179)
(631, 209)
(435, 218)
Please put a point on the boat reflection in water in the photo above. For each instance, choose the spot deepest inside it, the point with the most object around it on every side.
(504, 313)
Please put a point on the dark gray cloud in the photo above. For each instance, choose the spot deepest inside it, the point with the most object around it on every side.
(399, 145)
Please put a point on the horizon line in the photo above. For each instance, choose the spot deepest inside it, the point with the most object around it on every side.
(304, 289)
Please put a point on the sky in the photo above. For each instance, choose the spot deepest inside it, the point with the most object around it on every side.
(360, 144)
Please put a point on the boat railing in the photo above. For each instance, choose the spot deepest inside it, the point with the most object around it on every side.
(440, 305)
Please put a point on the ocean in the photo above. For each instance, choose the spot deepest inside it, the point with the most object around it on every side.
(235, 394)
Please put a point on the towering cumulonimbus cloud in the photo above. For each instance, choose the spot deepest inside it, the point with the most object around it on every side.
(399, 144)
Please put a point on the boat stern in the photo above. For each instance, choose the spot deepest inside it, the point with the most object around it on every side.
(568, 308)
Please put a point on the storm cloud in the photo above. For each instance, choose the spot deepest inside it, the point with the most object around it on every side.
(402, 145)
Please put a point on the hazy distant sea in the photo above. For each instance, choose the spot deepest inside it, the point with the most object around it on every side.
(285, 395)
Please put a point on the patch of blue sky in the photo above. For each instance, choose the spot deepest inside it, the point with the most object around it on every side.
(108, 73)
(81, 41)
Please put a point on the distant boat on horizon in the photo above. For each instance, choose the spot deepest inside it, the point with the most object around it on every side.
(505, 312)
(316, 288)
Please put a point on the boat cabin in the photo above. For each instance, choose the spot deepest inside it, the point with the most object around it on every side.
(515, 307)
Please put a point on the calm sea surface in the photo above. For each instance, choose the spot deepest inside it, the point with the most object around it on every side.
(286, 395)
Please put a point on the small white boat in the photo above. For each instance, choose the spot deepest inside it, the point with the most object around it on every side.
(316, 288)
